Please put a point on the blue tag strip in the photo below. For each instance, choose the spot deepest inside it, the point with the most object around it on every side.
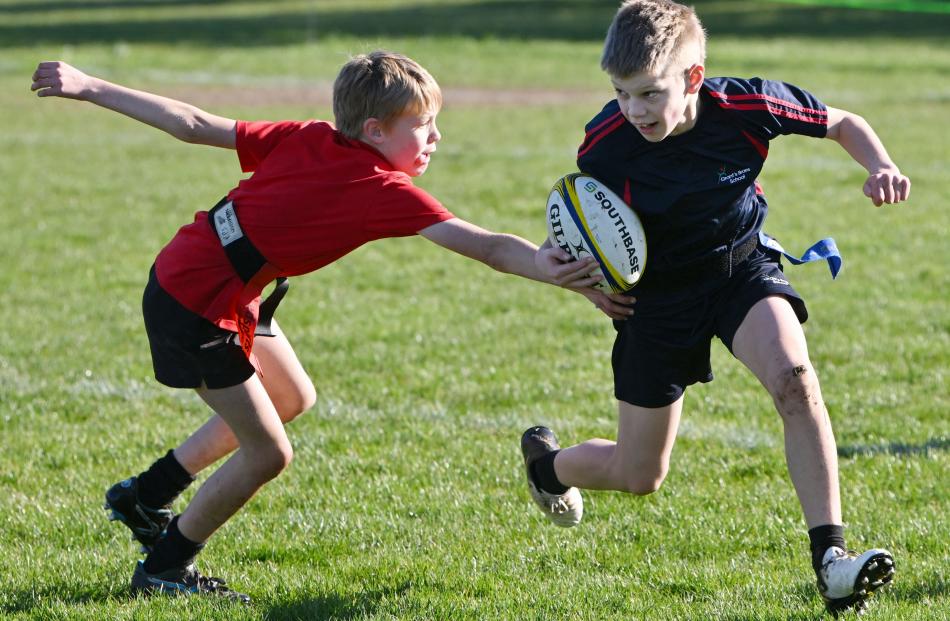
(823, 249)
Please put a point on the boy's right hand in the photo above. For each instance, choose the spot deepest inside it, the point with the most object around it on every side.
(560, 269)
(56, 78)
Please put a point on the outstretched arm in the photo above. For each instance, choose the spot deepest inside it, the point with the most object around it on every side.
(885, 183)
(514, 255)
(181, 120)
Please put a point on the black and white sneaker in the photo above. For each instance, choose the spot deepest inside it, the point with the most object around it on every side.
(847, 580)
(565, 509)
(147, 524)
(182, 581)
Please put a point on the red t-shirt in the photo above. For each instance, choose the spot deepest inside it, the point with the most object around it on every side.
(314, 196)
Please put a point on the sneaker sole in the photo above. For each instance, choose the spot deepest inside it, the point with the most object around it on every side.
(877, 572)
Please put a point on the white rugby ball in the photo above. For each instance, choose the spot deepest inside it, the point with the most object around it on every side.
(585, 218)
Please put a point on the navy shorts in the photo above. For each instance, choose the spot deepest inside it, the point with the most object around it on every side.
(189, 351)
(664, 346)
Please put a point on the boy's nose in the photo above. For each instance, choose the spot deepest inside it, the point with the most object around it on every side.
(633, 109)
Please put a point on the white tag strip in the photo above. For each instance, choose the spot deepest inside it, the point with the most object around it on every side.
(226, 224)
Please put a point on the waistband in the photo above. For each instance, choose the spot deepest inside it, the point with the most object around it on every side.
(692, 274)
(249, 263)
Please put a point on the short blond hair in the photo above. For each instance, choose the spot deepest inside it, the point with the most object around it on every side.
(381, 85)
(655, 36)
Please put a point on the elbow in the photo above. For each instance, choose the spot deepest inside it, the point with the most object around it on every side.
(188, 130)
(190, 125)
(849, 124)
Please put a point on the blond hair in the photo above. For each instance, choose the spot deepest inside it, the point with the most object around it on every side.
(381, 85)
(654, 36)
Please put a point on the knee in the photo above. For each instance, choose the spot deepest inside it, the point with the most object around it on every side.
(269, 462)
(794, 387)
(644, 481)
(301, 399)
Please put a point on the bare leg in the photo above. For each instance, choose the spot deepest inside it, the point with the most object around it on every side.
(636, 463)
(287, 385)
(265, 451)
(771, 343)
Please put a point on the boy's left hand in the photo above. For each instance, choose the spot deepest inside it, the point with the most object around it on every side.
(887, 186)
(56, 78)
(614, 305)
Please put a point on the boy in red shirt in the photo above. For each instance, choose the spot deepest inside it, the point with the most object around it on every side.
(317, 192)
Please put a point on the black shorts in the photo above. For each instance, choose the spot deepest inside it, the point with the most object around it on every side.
(188, 350)
(664, 346)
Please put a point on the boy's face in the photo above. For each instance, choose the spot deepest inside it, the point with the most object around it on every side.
(406, 142)
(660, 104)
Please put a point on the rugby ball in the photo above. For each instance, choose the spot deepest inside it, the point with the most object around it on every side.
(585, 218)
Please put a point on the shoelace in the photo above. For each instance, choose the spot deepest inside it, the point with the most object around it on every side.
(559, 506)
(152, 517)
(847, 555)
(209, 583)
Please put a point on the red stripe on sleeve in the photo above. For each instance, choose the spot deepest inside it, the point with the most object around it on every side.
(601, 124)
(762, 97)
(789, 114)
(618, 123)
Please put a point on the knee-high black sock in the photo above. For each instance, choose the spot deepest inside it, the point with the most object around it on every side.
(163, 482)
(545, 477)
(172, 550)
(822, 538)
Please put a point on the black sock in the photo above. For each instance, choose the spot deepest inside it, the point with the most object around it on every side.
(163, 482)
(543, 472)
(822, 538)
(172, 550)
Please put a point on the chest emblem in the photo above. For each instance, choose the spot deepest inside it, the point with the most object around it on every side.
(731, 178)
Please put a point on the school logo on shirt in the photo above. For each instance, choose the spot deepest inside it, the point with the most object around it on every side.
(734, 177)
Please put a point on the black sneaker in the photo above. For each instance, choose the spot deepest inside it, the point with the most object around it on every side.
(147, 524)
(182, 581)
(565, 509)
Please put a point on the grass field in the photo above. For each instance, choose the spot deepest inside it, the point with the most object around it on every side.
(405, 499)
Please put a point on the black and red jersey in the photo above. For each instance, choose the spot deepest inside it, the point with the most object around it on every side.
(696, 192)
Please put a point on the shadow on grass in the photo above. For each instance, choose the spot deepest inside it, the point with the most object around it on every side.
(102, 22)
(26, 600)
(85, 5)
(30, 601)
(354, 606)
(896, 448)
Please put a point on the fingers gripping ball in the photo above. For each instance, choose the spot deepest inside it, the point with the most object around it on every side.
(585, 218)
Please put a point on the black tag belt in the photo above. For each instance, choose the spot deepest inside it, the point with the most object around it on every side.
(692, 274)
(247, 260)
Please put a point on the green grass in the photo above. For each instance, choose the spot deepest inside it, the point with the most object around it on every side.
(405, 499)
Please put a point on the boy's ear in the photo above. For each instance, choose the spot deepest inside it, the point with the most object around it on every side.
(694, 78)
(373, 130)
